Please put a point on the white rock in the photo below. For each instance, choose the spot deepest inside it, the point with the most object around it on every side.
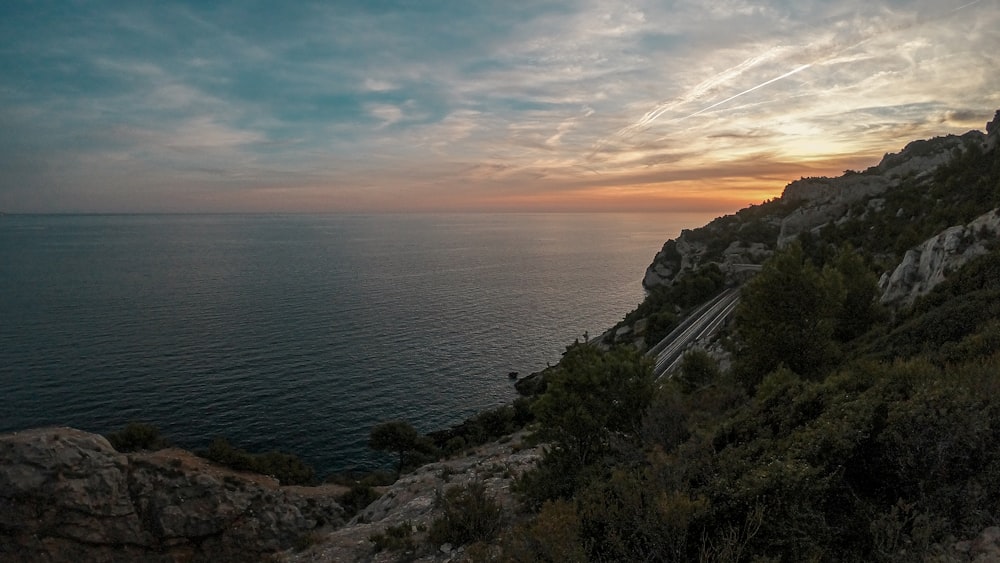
(928, 264)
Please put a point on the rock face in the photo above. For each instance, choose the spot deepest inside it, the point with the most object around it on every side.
(411, 501)
(67, 495)
(825, 199)
(810, 203)
(927, 264)
(982, 549)
(739, 243)
(822, 200)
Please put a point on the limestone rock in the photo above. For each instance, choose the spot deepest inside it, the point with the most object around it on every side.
(993, 127)
(657, 274)
(984, 548)
(67, 495)
(927, 264)
(68, 484)
(922, 157)
(824, 200)
(412, 501)
(993, 133)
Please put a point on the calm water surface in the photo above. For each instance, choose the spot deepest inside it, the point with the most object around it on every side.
(300, 332)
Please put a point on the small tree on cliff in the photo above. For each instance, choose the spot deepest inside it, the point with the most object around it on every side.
(786, 316)
(396, 436)
(593, 395)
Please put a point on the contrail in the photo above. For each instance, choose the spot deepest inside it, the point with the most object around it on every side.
(699, 90)
(964, 6)
(748, 90)
(736, 71)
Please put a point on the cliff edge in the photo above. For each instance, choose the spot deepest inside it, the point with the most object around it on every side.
(68, 495)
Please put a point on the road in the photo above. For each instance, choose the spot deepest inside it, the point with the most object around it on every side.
(700, 324)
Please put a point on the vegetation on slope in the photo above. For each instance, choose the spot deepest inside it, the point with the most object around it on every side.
(842, 432)
(870, 459)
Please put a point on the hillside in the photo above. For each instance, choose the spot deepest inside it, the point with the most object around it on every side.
(887, 213)
(847, 411)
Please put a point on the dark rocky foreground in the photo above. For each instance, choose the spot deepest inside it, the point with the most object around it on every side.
(67, 495)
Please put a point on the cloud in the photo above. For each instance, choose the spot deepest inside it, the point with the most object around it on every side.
(385, 113)
(416, 103)
(376, 85)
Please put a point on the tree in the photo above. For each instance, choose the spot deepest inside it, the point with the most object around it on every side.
(396, 436)
(786, 317)
(698, 368)
(859, 309)
(594, 394)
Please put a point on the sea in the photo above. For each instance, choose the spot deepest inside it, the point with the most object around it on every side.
(301, 332)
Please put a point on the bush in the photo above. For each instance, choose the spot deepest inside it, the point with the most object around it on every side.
(593, 396)
(137, 436)
(287, 468)
(470, 515)
(551, 537)
(624, 518)
(698, 369)
(395, 538)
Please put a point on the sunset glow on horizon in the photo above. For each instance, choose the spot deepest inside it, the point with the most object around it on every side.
(357, 106)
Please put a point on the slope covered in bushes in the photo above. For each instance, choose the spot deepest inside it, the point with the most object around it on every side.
(838, 429)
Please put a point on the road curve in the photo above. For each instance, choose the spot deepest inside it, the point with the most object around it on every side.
(700, 324)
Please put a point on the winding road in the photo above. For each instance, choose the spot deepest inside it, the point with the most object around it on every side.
(702, 323)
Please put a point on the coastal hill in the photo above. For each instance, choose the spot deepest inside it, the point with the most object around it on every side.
(847, 412)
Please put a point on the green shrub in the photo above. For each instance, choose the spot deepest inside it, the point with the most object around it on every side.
(698, 369)
(137, 436)
(395, 538)
(355, 500)
(624, 518)
(593, 396)
(470, 514)
(553, 536)
(287, 468)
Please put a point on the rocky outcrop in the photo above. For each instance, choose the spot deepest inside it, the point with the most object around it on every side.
(67, 495)
(808, 204)
(984, 548)
(927, 264)
(412, 502)
(674, 255)
(923, 156)
(823, 200)
(992, 133)
(684, 255)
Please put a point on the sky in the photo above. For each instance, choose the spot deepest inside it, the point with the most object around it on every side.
(396, 106)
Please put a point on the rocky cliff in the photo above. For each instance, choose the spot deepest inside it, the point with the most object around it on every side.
(412, 503)
(822, 200)
(913, 195)
(929, 263)
(67, 495)
(806, 205)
